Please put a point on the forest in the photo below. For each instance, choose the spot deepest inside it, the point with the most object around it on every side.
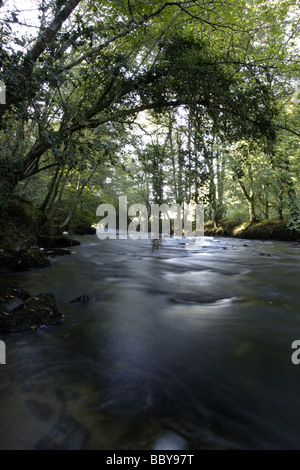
(165, 102)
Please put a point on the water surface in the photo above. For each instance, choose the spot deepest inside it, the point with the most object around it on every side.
(176, 349)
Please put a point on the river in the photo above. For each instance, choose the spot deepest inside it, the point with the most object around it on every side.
(176, 349)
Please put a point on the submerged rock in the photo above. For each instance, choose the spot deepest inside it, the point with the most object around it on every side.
(82, 299)
(58, 252)
(66, 434)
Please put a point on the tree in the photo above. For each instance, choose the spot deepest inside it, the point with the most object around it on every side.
(89, 69)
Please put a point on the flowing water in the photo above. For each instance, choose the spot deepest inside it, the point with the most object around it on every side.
(176, 349)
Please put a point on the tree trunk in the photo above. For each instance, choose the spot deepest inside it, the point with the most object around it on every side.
(54, 205)
(79, 193)
(250, 200)
(293, 202)
(45, 203)
(267, 207)
(252, 214)
(280, 205)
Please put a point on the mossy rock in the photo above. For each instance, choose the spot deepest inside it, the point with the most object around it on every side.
(31, 314)
(262, 230)
(270, 230)
(29, 259)
(23, 260)
(57, 242)
(84, 230)
(9, 291)
(18, 221)
(58, 252)
(225, 228)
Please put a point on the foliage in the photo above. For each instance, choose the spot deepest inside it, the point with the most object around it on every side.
(214, 82)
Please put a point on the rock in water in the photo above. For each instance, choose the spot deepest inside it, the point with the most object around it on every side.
(82, 299)
(170, 441)
(23, 260)
(31, 314)
(9, 292)
(58, 252)
(66, 434)
(17, 304)
(57, 242)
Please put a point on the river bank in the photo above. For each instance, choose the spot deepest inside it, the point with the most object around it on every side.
(261, 230)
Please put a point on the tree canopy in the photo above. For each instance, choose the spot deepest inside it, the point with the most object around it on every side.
(213, 82)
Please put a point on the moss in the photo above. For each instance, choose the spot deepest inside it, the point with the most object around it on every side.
(262, 230)
(24, 226)
(29, 259)
(23, 260)
(225, 228)
(56, 242)
(17, 225)
(82, 225)
(270, 230)
(29, 312)
(34, 313)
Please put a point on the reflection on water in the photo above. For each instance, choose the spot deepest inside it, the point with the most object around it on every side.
(175, 349)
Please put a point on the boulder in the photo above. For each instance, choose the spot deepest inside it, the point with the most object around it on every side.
(82, 299)
(85, 230)
(57, 242)
(58, 252)
(9, 292)
(29, 259)
(34, 313)
(21, 260)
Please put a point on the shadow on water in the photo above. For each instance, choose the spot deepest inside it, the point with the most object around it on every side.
(175, 348)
